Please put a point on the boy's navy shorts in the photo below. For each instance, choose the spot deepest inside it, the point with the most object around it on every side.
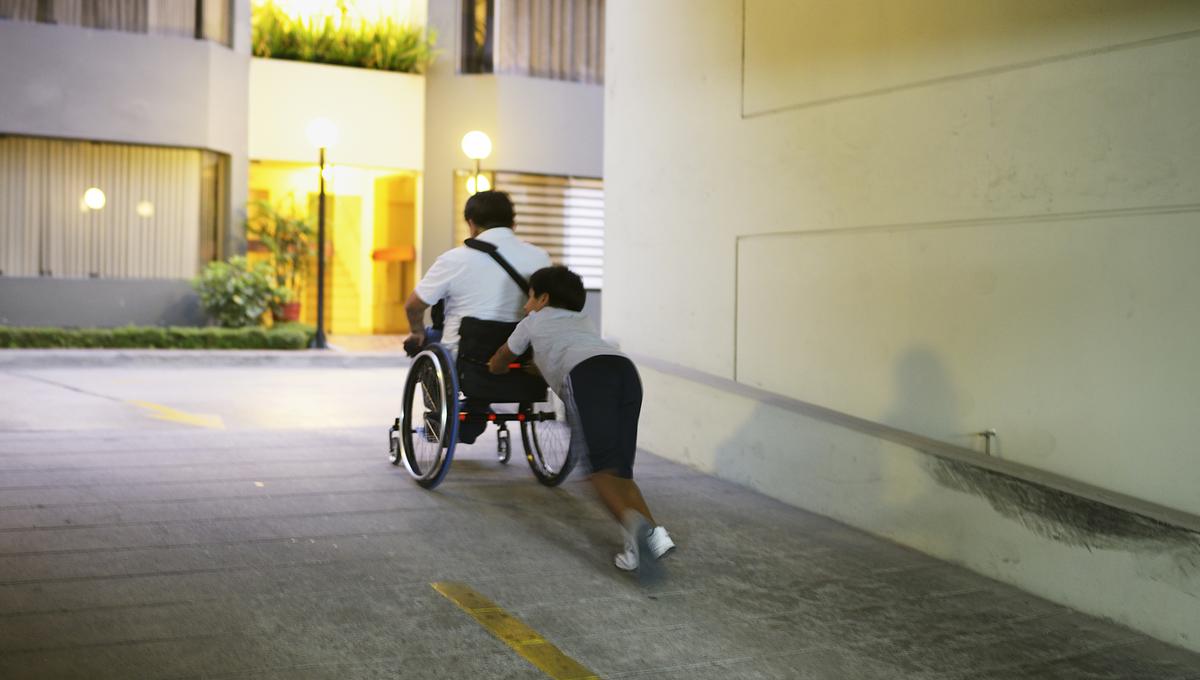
(603, 396)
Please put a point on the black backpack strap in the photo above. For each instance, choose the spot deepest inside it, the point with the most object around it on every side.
(490, 249)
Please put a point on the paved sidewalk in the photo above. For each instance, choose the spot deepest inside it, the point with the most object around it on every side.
(274, 553)
(358, 351)
(368, 343)
(151, 358)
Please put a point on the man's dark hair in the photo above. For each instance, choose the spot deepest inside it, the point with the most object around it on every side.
(564, 286)
(489, 209)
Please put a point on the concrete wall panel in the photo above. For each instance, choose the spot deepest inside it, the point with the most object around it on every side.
(98, 303)
(1027, 220)
(380, 115)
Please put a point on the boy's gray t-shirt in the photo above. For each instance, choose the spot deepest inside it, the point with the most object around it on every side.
(561, 340)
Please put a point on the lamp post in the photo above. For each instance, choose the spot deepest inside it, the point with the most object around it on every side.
(93, 200)
(477, 146)
(322, 133)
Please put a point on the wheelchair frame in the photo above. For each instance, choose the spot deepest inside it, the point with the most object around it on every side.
(434, 374)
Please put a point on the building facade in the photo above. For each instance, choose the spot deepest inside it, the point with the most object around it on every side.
(136, 136)
(144, 114)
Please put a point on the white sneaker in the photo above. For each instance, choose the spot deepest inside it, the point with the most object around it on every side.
(659, 542)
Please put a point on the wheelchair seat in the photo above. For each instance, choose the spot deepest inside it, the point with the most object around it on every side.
(478, 341)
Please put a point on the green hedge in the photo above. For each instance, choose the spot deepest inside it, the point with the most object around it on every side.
(282, 336)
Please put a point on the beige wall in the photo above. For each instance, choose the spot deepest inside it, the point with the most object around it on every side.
(380, 115)
(946, 220)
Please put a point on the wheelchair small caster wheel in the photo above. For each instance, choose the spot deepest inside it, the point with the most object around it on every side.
(503, 445)
(394, 447)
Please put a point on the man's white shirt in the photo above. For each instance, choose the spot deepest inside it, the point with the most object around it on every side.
(473, 284)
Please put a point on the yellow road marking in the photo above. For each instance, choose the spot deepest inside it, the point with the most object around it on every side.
(167, 413)
(514, 633)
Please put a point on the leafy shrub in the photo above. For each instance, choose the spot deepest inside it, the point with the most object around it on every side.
(234, 293)
(286, 333)
(384, 45)
(283, 336)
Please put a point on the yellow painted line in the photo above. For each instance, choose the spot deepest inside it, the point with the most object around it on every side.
(514, 633)
(167, 413)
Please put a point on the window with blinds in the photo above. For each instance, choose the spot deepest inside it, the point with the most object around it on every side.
(200, 19)
(556, 39)
(72, 209)
(564, 215)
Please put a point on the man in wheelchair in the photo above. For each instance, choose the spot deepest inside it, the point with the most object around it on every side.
(481, 303)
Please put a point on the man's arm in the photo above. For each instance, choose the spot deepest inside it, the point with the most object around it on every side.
(501, 359)
(414, 309)
(435, 285)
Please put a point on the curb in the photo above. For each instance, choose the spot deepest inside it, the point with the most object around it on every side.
(152, 358)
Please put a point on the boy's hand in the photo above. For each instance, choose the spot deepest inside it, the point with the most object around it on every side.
(499, 362)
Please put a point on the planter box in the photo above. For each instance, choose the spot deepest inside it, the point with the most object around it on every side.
(380, 115)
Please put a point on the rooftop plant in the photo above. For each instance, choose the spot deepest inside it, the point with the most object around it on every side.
(385, 45)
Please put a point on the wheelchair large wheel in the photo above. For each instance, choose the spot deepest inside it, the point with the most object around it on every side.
(429, 423)
(547, 439)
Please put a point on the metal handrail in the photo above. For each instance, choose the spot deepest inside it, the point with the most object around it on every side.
(1172, 517)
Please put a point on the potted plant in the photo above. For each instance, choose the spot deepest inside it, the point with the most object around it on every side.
(235, 294)
(287, 235)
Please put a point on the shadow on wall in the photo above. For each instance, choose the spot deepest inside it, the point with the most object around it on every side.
(820, 466)
(873, 483)
(1049, 513)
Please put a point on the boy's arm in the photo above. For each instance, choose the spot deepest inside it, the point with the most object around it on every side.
(501, 359)
(517, 343)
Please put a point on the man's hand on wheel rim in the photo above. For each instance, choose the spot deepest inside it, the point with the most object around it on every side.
(413, 344)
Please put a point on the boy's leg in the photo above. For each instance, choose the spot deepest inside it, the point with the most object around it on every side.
(598, 392)
(619, 495)
(608, 402)
(629, 412)
(607, 396)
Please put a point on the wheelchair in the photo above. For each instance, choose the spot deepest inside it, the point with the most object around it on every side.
(425, 435)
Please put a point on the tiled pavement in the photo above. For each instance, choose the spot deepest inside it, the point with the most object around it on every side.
(174, 552)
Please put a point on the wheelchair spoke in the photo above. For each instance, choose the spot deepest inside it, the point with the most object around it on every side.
(432, 429)
(426, 420)
(547, 437)
(429, 396)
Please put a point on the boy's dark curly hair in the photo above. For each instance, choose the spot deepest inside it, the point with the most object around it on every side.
(564, 286)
